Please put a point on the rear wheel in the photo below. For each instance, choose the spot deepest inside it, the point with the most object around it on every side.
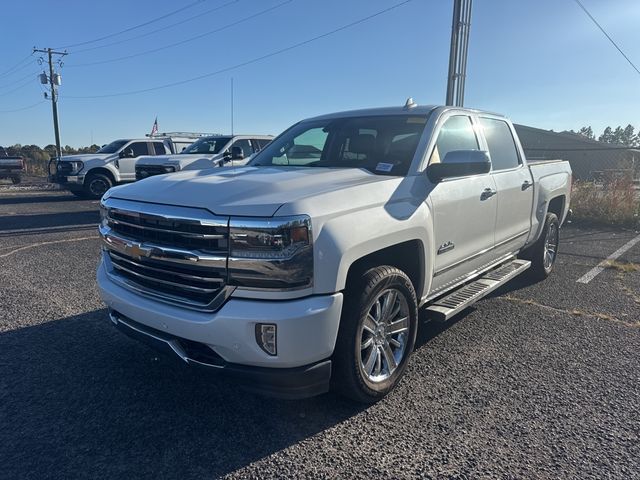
(96, 185)
(377, 334)
(544, 252)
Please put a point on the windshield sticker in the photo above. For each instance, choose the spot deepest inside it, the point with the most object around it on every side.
(384, 167)
(420, 120)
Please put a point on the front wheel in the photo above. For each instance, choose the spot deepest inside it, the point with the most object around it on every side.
(96, 185)
(377, 334)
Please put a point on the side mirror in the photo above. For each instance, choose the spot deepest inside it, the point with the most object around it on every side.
(126, 153)
(237, 153)
(459, 163)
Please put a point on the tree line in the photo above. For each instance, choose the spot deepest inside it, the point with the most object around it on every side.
(37, 159)
(622, 136)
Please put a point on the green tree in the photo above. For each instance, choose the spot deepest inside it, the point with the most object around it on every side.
(587, 132)
(618, 135)
(607, 136)
(628, 135)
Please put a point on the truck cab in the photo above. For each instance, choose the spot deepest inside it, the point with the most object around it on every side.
(91, 175)
(207, 152)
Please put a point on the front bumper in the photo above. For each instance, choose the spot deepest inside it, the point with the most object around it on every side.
(289, 383)
(307, 327)
(67, 180)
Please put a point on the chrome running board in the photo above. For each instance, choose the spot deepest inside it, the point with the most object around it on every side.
(446, 307)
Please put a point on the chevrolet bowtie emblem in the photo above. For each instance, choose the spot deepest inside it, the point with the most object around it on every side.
(137, 250)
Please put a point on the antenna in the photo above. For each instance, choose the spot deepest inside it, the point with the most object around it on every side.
(231, 106)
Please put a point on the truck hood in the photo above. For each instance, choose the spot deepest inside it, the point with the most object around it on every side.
(176, 159)
(84, 157)
(245, 191)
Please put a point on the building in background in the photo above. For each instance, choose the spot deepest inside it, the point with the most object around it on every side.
(589, 159)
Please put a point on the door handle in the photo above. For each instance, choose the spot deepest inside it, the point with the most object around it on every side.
(487, 193)
(526, 185)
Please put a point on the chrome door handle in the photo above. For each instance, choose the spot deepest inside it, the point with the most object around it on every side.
(526, 185)
(487, 193)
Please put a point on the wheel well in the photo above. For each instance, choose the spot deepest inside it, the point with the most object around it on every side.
(102, 171)
(556, 206)
(407, 256)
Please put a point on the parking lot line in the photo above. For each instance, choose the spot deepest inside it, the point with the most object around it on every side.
(591, 274)
(40, 244)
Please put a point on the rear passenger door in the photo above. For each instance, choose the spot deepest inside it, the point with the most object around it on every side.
(513, 183)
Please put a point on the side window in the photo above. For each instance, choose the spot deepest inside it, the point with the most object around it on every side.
(456, 134)
(502, 147)
(259, 143)
(159, 148)
(139, 148)
(245, 145)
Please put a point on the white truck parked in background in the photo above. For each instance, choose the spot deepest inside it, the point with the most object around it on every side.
(208, 152)
(305, 269)
(91, 175)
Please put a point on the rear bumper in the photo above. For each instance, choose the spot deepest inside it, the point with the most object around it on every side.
(288, 383)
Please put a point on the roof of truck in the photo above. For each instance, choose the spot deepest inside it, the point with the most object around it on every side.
(399, 110)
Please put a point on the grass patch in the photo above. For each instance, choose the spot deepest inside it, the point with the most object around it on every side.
(623, 267)
(615, 203)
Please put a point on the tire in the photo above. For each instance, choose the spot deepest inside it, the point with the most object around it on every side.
(544, 252)
(96, 185)
(16, 180)
(365, 349)
(79, 193)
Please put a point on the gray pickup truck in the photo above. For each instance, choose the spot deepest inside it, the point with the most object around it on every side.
(11, 167)
(305, 269)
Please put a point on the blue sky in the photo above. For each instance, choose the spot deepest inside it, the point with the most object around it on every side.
(542, 62)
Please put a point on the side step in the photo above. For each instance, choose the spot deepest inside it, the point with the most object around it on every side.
(446, 307)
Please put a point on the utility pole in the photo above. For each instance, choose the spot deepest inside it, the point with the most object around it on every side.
(53, 80)
(460, 26)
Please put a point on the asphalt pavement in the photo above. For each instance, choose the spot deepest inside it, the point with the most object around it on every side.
(537, 381)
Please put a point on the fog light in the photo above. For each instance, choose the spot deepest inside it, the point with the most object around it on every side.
(266, 336)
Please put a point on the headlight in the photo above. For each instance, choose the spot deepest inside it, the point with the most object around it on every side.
(103, 215)
(271, 253)
(76, 166)
(169, 169)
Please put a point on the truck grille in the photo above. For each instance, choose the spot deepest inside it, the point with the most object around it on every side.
(64, 168)
(147, 171)
(175, 260)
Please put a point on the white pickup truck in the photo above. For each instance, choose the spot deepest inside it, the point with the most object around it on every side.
(207, 152)
(305, 269)
(90, 175)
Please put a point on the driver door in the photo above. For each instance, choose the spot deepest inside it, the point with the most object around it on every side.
(464, 213)
(127, 164)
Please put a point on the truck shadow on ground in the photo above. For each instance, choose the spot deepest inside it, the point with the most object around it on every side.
(57, 198)
(81, 399)
(48, 220)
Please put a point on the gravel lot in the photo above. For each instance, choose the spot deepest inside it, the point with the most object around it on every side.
(538, 380)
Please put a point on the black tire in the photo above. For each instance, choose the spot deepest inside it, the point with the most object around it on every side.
(375, 288)
(16, 180)
(544, 252)
(96, 185)
(79, 193)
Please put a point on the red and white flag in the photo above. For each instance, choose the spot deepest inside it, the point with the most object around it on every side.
(154, 129)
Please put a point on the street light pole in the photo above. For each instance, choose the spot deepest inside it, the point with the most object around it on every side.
(53, 81)
(460, 26)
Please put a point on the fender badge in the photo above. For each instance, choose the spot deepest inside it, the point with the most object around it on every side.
(445, 247)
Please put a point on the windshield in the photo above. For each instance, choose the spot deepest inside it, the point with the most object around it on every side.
(207, 145)
(113, 147)
(384, 145)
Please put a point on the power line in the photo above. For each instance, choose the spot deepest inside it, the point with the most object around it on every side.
(190, 39)
(23, 108)
(607, 35)
(134, 27)
(19, 79)
(16, 70)
(249, 62)
(28, 82)
(10, 70)
(161, 29)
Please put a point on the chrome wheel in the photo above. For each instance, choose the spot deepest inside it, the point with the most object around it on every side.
(383, 335)
(98, 187)
(551, 246)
